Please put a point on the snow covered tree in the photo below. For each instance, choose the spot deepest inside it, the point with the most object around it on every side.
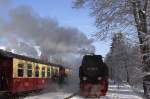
(121, 15)
(124, 61)
(117, 59)
(135, 65)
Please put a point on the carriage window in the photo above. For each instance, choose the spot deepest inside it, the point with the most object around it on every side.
(20, 70)
(29, 70)
(57, 71)
(48, 72)
(43, 71)
(37, 71)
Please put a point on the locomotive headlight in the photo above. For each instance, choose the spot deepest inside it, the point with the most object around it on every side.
(99, 78)
(84, 78)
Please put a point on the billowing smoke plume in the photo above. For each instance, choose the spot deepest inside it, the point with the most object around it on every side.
(4, 2)
(25, 24)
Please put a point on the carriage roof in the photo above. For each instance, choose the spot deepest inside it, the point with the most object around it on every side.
(7, 54)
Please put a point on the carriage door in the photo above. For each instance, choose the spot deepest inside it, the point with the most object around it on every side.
(3, 76)
(3, 81)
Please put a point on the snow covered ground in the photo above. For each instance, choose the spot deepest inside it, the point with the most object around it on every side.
(124, 91)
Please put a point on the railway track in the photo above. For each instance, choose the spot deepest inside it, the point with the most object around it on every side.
(77, 93)
(72, 95)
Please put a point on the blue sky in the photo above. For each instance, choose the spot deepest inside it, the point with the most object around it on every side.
(62, 11)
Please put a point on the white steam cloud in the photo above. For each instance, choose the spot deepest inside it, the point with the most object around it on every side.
(34, 30)
(4, 2)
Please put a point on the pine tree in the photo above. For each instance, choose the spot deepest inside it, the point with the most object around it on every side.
(117, 58)
(124, 61)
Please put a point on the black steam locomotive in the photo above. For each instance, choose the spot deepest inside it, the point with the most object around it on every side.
(93, 74)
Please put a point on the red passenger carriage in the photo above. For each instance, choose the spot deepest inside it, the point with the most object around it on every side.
(23, 74)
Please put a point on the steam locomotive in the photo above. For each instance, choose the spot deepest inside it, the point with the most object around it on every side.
(93, 74)
(19, 74)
